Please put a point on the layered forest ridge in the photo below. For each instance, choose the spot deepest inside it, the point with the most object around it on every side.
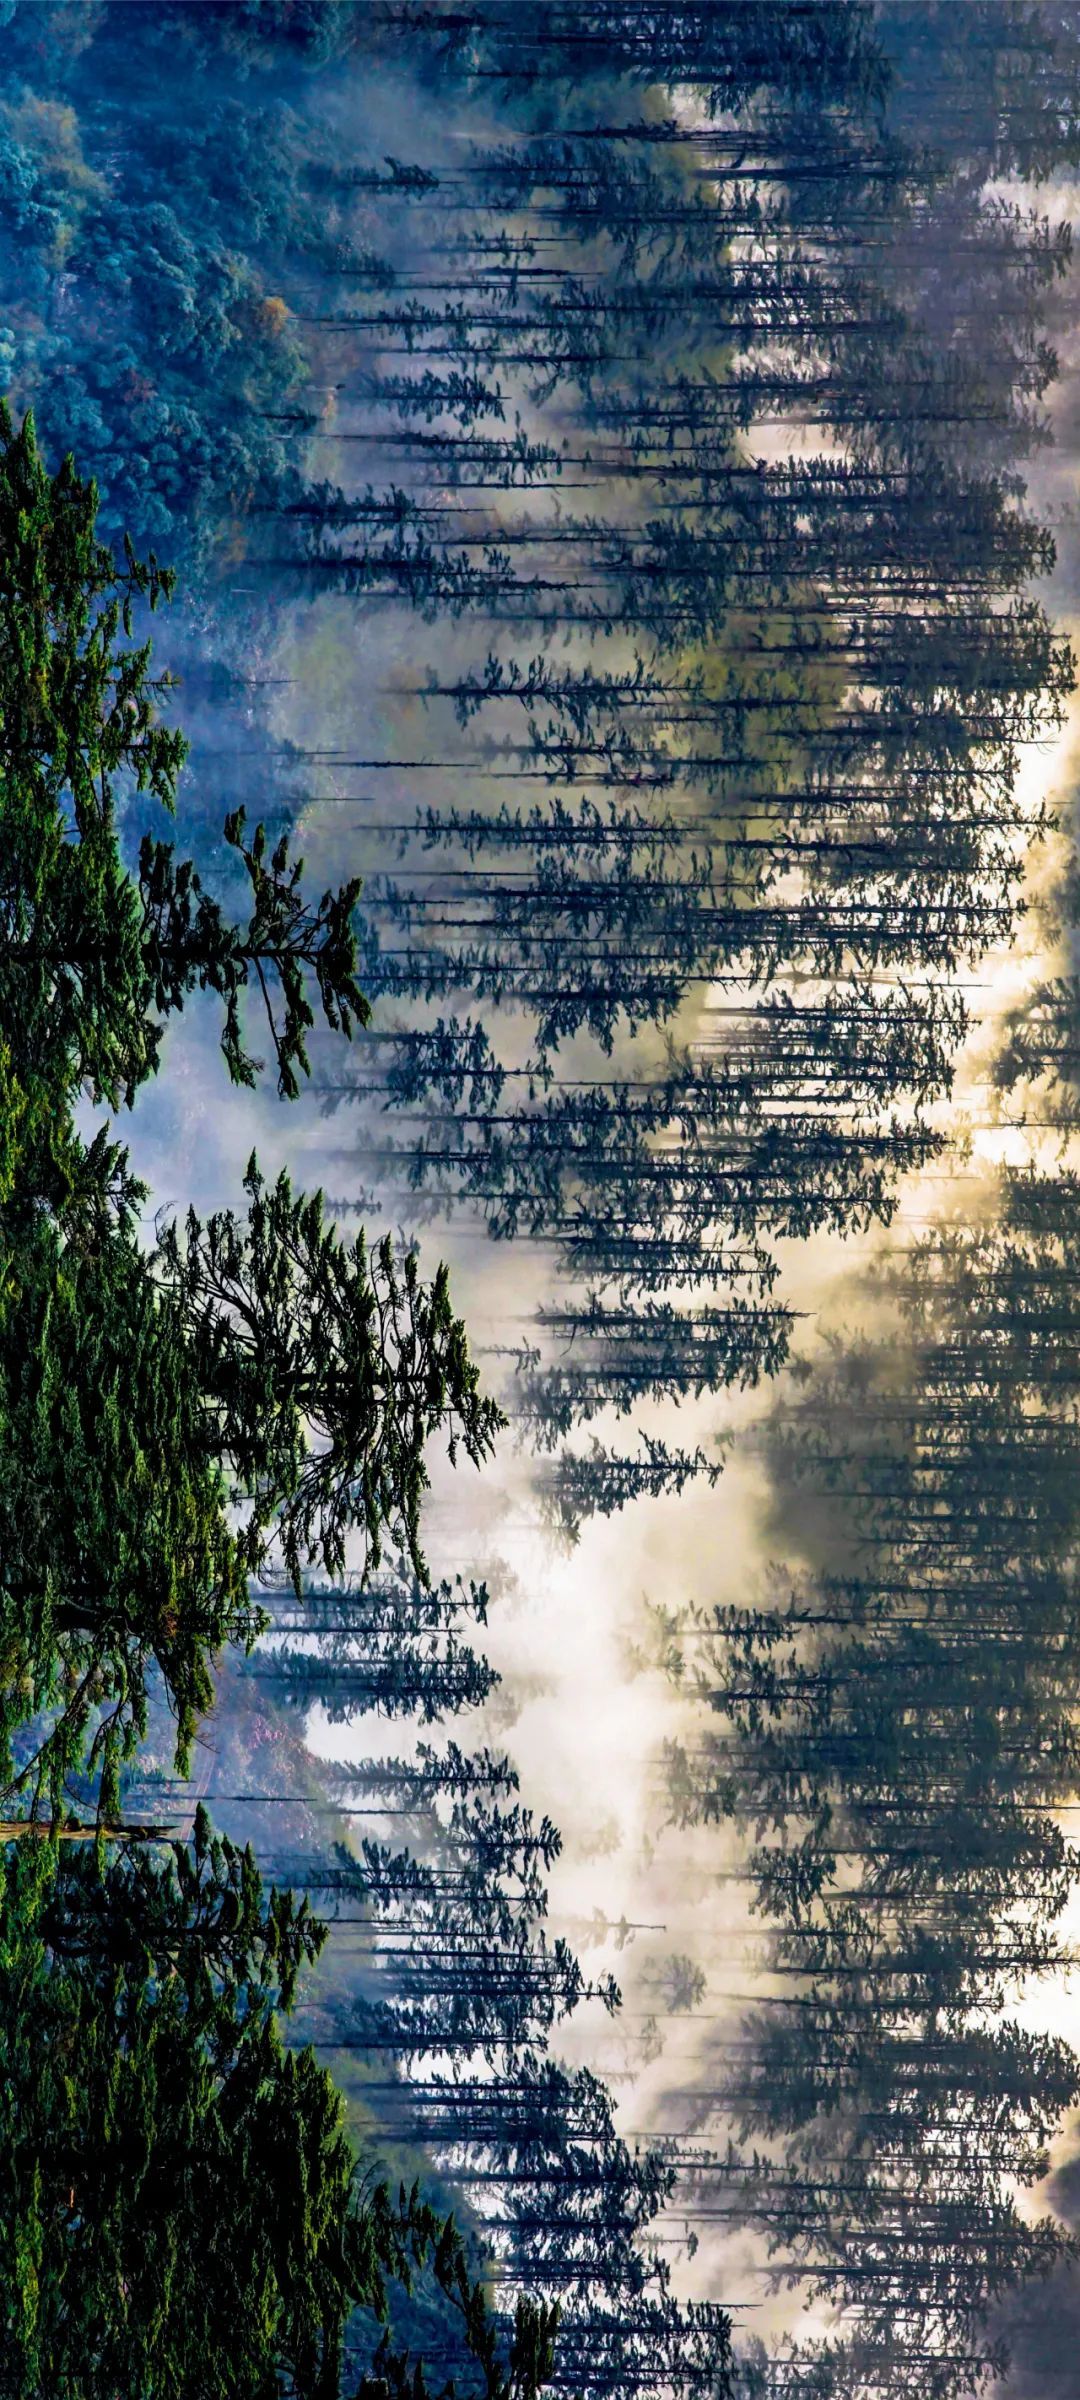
(539, 1305)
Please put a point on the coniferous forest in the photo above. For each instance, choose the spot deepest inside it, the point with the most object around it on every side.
(539, 1196)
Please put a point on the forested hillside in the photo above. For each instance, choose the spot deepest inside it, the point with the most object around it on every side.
(539, 1328)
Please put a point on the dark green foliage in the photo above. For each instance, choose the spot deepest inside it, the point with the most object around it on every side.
(323, 1370)
(78, 711)
(183, 2212)
(179, 2210)
(93, 961)
(115, 1539)
(188, 941)
(260, 1362)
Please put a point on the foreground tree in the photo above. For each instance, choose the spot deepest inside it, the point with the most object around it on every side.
(163, 1418)
(291, 1329)
(182, 2211)
(93, 958)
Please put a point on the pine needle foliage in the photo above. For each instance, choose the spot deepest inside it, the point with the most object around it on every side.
(166, 1416)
